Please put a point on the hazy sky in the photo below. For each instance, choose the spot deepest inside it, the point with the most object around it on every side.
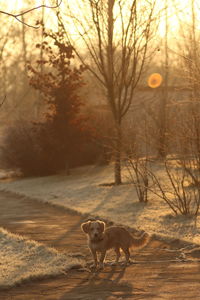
(183, 7)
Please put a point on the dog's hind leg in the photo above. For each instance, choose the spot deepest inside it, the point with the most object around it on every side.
(117, 251)
(127, 254)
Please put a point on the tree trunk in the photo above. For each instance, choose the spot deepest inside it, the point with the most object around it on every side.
(117, 155)
(117, 169)
(162, 143)
(162, 150)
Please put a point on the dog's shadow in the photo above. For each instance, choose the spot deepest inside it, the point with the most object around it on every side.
(103, 284)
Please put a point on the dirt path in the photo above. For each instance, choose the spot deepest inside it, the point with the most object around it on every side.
(158, 272)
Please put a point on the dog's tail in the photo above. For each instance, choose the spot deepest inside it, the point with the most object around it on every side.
(140, 241)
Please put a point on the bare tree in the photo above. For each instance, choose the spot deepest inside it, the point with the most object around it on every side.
(116, 34)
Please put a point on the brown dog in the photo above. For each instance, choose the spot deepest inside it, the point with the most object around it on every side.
(116, 237)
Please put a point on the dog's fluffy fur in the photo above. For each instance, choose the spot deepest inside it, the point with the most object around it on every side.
(116, 237)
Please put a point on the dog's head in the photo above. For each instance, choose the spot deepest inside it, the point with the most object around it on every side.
(94, 229)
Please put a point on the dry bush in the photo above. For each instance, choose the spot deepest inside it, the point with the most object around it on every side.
(136, 160)
(174, 187)
(138, 174)
(179, 187)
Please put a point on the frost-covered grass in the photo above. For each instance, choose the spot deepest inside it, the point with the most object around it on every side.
(84, 191)
(23, 259)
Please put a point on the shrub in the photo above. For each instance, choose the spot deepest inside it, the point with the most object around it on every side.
(21, 150)
(176, 190)
(35, 150)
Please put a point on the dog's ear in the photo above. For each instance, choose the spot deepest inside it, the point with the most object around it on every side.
(102, 225)
(85, 226)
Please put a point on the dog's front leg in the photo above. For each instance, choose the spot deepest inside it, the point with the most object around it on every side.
(94, 254)
(101, 264)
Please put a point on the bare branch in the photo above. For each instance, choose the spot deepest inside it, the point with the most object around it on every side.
(16, 16)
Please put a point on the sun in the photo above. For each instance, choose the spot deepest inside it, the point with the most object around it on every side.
(154, 80)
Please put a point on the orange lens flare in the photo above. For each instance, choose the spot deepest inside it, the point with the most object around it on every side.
(154, 80)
